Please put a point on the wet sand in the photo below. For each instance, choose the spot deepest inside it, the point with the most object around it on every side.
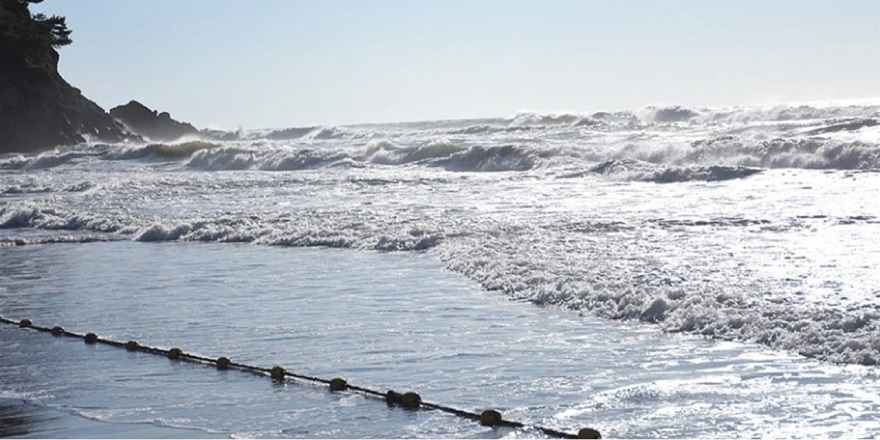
(19, 419)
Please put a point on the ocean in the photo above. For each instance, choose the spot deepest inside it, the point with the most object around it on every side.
(664, 272)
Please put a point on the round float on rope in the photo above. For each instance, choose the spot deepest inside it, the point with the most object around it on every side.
(411, 400)
(490, 417)
(589, 433)
(277, 373)
(393, 398)
(222, 363)
(338, 384)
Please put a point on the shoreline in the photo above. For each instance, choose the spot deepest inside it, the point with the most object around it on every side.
(22, 419)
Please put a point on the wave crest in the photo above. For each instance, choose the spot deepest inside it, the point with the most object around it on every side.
(501, 158)
(635, 170)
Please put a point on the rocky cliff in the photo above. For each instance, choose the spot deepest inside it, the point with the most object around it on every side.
(38, 108)
(159, 127)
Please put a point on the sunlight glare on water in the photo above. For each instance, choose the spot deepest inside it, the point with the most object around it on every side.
(382, 321)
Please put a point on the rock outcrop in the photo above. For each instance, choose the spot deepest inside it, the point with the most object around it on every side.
(38, 108)
(159, 127)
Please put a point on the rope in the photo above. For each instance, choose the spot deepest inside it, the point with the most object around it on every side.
(408, 400)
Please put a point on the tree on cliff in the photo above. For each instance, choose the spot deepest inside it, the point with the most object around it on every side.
(38, 108)
(56, 26)
(27, 39)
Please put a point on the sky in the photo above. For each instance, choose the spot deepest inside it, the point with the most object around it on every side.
(280, 63)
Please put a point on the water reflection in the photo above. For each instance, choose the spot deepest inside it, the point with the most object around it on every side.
(18, 419)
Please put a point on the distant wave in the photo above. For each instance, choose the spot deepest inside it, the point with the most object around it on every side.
(643, 171)
(289, 133)
(531, 118)
(667, 144)
(679, 114)
(439, 153)
(388, 153)
(745, 115)
(846, 126)
(783, 112)
(808, 153)
(669, 114)
(718, 158)
(314, 133)
(161, 151)
(49, 159)
(265, 157)
(62, 156)
(499, 158)
(486, 129)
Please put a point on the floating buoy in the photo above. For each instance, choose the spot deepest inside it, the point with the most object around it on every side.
(338, 384)
(393, 398)
(411, 400)
(490, 417)
(589, 433)
(277, 373)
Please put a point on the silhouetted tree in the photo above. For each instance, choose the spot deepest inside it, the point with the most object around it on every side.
(55, 26)
(28, 39)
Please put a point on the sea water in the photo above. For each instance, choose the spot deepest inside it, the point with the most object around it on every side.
(382, 321)
(666, 272)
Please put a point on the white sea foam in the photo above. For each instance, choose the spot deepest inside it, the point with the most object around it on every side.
(762, 231)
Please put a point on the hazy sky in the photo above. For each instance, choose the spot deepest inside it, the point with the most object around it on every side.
(259, 64)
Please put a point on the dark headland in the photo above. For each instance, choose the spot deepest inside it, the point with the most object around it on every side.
(39, 110)
(159, 127)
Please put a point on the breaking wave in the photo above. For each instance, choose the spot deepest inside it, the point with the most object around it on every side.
(523, 261)
(662, 144)
(739, 115)
(160, 151)
(439, 153)
(808, 153)
(314, 133)
(427, 187)
(635, 170)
